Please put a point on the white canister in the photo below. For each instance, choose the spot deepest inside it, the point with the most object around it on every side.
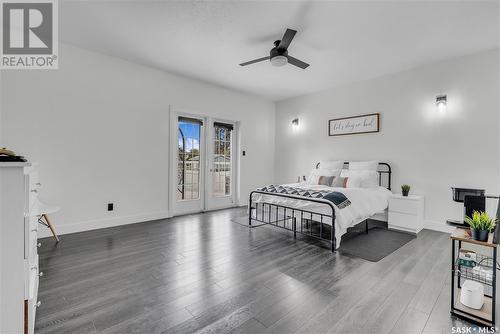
(472, 294)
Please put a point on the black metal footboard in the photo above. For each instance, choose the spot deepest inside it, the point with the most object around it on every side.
(296, 220)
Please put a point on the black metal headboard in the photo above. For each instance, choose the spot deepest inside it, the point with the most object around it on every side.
(383, 169)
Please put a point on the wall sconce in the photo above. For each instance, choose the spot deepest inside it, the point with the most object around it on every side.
(441, 101)
(295, 123)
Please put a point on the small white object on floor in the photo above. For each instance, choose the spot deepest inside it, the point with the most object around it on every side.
(472, 294)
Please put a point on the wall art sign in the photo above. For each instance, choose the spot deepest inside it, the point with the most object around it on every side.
(354, 125)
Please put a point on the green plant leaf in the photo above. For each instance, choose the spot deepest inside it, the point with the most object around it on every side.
(480, 220)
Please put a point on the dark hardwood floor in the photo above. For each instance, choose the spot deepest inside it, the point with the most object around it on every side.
(204, 273)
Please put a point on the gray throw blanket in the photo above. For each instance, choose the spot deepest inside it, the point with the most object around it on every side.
(337, 198)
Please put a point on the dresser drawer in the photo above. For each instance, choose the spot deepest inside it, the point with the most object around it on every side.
(34, 226)
(33, 279)
(407, 206)
(32, 200)
(33, 306)
(33, 250)
(30, 237)
(31, 275)
(405, 222)
(34, 180)
(33, 186)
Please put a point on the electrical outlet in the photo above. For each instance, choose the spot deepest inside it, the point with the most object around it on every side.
(110, 206)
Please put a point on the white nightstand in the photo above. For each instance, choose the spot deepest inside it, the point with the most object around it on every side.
(406, 213)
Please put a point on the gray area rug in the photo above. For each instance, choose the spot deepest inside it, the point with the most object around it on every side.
(374, 246)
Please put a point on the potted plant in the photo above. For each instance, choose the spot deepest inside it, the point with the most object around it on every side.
(405, 189)
(480, 225)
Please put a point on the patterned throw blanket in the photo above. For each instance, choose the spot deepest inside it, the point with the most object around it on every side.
(337, 198)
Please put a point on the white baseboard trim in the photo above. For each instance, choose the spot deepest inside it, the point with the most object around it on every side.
(100, 223)
(438, 226)
(117, 221)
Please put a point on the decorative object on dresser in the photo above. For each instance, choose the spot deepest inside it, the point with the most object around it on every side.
(405, 190)
(354, 125)
(19, 271)
(406, 213)
(10, 156)
(473, 289)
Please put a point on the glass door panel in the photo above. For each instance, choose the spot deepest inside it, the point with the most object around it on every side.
(188, 170)
(222, 160)
(189, 188)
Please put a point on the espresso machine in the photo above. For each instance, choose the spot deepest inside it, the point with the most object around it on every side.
(473, 199)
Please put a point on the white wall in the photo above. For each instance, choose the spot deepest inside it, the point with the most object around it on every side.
(430, 151)
(99, 128)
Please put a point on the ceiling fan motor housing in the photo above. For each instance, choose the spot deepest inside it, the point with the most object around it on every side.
(278, 52)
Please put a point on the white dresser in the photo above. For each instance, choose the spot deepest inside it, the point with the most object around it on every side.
(19, 273)
(406, 213)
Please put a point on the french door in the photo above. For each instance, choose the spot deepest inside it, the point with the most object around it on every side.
(203, 163)
(221, 165)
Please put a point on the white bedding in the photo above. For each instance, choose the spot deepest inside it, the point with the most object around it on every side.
(365, 202)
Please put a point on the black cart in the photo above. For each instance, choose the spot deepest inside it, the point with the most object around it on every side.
(459, 273)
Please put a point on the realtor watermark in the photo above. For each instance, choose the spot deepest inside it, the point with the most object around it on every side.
(473, 330)
(29, 35)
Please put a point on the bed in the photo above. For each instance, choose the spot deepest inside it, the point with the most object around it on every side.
(309, 209)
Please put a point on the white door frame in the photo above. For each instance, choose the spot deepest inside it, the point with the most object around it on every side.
(175, 112)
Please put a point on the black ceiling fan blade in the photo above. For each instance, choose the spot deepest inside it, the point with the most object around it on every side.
(254, 61)
(287, 38)
(298, 63)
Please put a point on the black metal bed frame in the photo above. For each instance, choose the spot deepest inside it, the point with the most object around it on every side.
(311, 223)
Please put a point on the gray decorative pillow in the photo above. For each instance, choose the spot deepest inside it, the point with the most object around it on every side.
(326, 180)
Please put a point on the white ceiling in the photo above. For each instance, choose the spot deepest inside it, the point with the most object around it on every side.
(343, 41)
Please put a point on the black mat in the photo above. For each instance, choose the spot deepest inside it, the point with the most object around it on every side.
(374, 246)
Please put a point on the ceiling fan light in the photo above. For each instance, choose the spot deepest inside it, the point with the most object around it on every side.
(279, 61)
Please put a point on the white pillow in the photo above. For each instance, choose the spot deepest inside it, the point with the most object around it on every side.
(332, 165)
(367, 179)
(370, 179)
(363, 165)
(315, 174)
(354, 182)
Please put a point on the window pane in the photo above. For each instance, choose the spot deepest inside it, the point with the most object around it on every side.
(188, 165)
(221, 178)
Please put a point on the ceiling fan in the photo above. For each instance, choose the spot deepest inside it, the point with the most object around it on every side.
(279, 54)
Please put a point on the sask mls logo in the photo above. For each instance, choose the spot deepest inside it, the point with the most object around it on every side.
(29, 34)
